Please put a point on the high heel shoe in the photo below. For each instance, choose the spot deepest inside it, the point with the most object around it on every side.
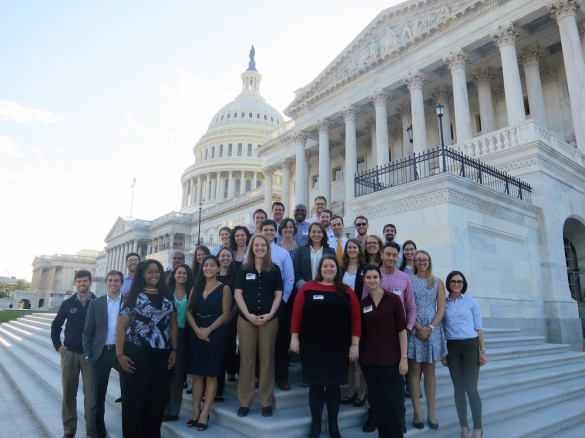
(193, 423)
(334, 429)
(432, 425)
(358, 403)
(315, 429)
(349, 400)
(201, 427)
(420, 425)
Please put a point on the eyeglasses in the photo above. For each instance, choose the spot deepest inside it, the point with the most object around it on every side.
(422, 260)
(361, 224)
(458, 282)
(132, 261)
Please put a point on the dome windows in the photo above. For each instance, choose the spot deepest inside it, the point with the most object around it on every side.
(220, 151)
(243, 114)
(228, 116)
(229, 150)
(265, 117)
(250, 149)
(250, 115)
(213, 152)
(239, 149)
(257, 115)
(222, 117)
(277, 122)
(248, 185)
(235, 115)
(272, 119)
(206, 152)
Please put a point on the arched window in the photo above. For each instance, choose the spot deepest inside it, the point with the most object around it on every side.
(229, 150)
(220, 151)
(250, 149)
(258, 183)
(237, 187)
(265, 118)
(272, 119)
(248, 185)
(259, 155)
(257, 115)
(213, 152)
(221, 117)
(239, 149)
(243, 114)
(277, 122)
(250, 115)
(228, 116)
(226, 187)
(235, 115)
(206, 152)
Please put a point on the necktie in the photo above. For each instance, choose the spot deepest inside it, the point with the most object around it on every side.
(339, 251)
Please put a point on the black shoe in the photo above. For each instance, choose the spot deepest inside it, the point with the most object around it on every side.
(185, 385)
(242, 412)
(118, 400)
(315, 429)
(433, 426)
(358, 403)
(349, 400)
(219, 399)
(334, 429)
(231, 378)
(420, 425)
(189, 391)
(371, 423)
(267, 411)
(201, 427)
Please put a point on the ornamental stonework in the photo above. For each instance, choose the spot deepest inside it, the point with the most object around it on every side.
(505, 34)
(456, 59)
(482, 76)
(530, 55)
(560, 9)
(415, 79)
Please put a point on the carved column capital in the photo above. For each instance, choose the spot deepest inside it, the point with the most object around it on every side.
(286, 163)
(581, 25)
(504, 35)
(498, 93)
(549, 73)
(560, 9)
(396, 132)
(350, 112)
(299, 136)
(530, 55)
(371, 124)
(404, 110)
(269, 171)
(415, 79)
(323, 125)
(482, 76)
(439, 95)
(368, 144)
(308, 155)
(380, 97)
(456, 59)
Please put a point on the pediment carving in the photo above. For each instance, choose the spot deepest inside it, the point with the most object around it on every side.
(393, 32)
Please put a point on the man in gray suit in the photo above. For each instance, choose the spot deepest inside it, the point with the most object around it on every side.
(99, 346)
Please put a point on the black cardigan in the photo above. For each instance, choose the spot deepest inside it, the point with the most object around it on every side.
(302, 264)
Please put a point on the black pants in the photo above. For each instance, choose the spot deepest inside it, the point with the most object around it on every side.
(386, 388)
(144, 391)
(281, 357)
(319, 395)
(100, 376)
(231, 359)
(463, 361)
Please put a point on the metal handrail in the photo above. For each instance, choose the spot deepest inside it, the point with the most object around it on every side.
(437, 161)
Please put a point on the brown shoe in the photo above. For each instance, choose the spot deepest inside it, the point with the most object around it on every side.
(283, 385)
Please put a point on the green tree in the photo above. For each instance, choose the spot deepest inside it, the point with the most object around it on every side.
(6, 289)
(22, 285)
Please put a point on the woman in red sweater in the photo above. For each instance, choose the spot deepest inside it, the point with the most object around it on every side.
(326, 322)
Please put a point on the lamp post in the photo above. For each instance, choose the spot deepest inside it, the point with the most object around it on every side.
(440, 110)
(409, 130)
(199, 232)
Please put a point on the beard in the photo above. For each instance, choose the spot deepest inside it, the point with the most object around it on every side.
(389, 238)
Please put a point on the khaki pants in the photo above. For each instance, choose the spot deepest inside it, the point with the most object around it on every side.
(71, 365)
(263, 339)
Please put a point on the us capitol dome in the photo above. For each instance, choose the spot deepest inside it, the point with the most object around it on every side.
(226, 161)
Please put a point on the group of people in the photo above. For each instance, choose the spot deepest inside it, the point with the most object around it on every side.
(349, 307)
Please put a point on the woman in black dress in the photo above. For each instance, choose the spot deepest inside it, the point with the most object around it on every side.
(326, 328)
(146, 346)
(201, 251)
(231, 363)
(208, 308)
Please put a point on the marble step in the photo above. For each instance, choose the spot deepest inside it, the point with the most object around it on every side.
(576, 431)
(501, 332)
(40, 318)
(47, 315)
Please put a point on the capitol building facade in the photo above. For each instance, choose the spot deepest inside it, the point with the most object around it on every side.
(494, 187)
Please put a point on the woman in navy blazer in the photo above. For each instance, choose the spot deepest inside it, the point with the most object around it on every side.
(307, 258)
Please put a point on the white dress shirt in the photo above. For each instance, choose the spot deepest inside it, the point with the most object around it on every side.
(113, 312)
(281, 257)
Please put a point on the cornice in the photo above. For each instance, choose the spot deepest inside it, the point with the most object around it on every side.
(458, 16)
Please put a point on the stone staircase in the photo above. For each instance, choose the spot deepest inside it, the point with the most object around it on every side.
(528, 388)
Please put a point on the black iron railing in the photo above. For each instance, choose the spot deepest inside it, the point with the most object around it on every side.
(437, 161)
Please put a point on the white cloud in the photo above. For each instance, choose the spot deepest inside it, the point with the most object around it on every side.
(131, 120)
(14, 112)
(9, 147)
(38, 152)
(60, 151)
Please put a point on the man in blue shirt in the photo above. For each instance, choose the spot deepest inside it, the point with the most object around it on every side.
(74, 310)
(281, 257)
(300, 214)
(325, 219)
(389, 232)
(132, 261)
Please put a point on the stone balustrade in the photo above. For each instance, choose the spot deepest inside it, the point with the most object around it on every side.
(287, 126)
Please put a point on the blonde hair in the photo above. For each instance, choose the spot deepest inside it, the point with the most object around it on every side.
(430, 278)
(250, 261)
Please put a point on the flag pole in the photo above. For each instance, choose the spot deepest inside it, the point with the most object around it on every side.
(132, 203)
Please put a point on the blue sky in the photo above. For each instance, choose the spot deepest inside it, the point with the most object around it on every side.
(93, 93)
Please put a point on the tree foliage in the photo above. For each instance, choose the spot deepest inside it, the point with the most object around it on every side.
(7, 288)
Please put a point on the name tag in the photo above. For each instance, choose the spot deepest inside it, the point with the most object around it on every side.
(305, 233)
(318, 297)
(368, 309)
(397, 291)
(250, 276)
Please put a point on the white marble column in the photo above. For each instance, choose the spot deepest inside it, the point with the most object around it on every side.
(582, 35)
(198, 200)
(406, 117)
(213, 191)
(254, 180)
(499, 96)
(456, 61)
(125, 247)
(302, 169)
(323, 127)
(135, 246)
(415, 81)
(231, 185)
(119, 258)
(505, 38)
(191, 196)
(395, 136)
(286, 166)
(108, 260)
(380, 99)
(183, 194)
(242, 182)
(349, 114)
(441, 96)
(529, 58)
(268, 172)
(482, 79)
(308, 156)
(565, 13)
(371, 124)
